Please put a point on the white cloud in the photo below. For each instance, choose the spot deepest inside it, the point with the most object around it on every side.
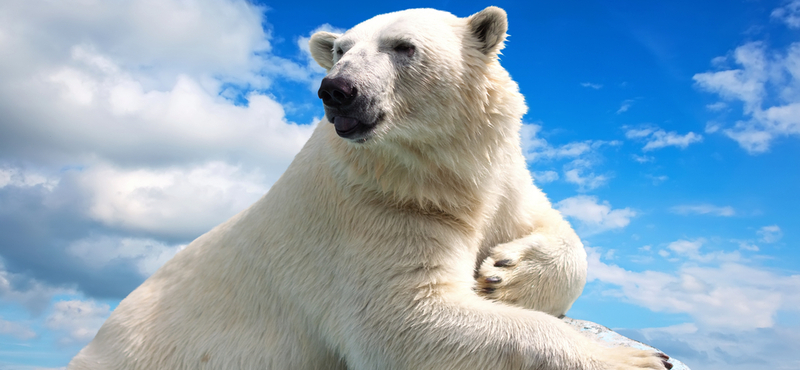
(126, 124)
(768, 85)
(746, 84)
(657, 179)
(537, 148)
(576, 149)
(593, 216)
(21, 178)
(718, 106)
(195, 38)
(582, 156)
(592, 85)
(686, 247)
(770, 234)
(127, 97)
(30, 293)
(767, 234)
(724, 349)
(140, 81)
(16, 330)
(639, 133)
(704, 209)
(177, 201)
(625, 106)
(726, 295)
(789, 14)
(690, 250)
(712, 127)
(77, 321)
(657, 138)
(545, 177)
(146, 254)
(747, 246)
(100, 110)
(533, 145)
(660, 139)
(585, 181)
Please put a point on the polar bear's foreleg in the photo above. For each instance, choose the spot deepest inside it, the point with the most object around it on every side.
(542, 271)
(463, 332)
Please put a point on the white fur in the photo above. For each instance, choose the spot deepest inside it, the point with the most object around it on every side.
(365, 254)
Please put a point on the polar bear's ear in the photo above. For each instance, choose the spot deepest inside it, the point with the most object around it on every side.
(321, 46)
(489, 27)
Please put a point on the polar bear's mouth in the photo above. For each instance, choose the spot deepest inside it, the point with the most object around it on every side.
(350, 128)
(345, 125)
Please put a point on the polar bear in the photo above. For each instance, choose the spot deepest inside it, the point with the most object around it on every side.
(406, 234)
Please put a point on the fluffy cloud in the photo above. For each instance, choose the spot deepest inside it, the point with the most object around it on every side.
(704, 209)
(718, 106)
(178, 202)
(767, 83)
(582, 156)
(141, 83)
(129, 128)
(16, 330)
(537, 148)
(146, 254)
(544, 177)
(198, 38)
(96, 109)
(725, 294)
(30, 293)
(124, 137)
(594, 217)
(722, 349)
(739, 311)
(746, 84)
(10, 176)
(770, 234)
(585, 179)
(690, 250)
(77, 321)
(657, 138)
(788, 14)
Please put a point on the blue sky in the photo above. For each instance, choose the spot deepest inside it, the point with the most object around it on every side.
(667, 132)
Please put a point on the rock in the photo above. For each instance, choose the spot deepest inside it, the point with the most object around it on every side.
(608, 337)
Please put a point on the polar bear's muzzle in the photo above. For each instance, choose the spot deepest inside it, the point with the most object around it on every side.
(352, 114)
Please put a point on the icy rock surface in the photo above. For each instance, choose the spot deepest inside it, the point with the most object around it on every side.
(608, 337)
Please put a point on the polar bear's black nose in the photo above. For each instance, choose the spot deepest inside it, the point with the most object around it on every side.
(336, 92)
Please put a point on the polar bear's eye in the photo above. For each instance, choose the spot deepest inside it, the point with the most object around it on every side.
(339, 52)
(405, 48)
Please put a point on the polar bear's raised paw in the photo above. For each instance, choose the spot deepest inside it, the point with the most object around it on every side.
(539, 272)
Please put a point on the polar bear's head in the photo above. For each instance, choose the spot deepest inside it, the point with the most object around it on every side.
(417, 74)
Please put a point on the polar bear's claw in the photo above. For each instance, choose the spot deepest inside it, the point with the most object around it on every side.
(628, 358)
(504, 263)
(664, 359)
(493, 279)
